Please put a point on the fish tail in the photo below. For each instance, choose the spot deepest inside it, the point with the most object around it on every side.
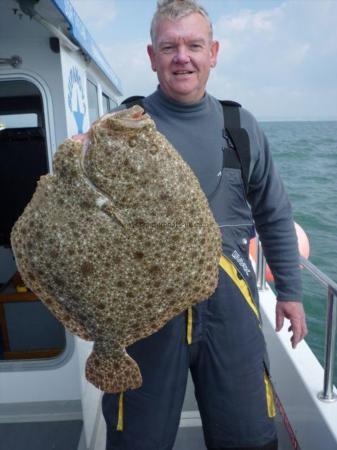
(112, 373)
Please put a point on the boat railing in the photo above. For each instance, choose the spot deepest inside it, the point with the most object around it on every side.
(327, 394)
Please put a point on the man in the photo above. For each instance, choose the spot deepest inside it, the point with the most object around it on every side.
(225, 350)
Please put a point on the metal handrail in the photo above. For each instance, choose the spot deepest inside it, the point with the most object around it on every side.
(261, 266)
(321, 277)
(327, 394)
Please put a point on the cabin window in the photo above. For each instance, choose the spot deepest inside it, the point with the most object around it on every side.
(106, 103)
(92, 101)
(18, 120)
(113, 104)
(27, 329)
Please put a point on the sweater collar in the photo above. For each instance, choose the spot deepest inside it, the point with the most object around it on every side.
(176, 106)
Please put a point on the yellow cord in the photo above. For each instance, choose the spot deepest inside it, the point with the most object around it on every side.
(270, 398)
(189, 325)
(120, 423)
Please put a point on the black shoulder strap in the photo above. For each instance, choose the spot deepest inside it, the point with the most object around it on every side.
(237, 137)
(134, 100)
(238, 140)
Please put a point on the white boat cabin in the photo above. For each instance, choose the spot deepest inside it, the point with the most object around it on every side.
(54, 82)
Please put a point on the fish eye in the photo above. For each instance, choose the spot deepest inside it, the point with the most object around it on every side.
(132, 142)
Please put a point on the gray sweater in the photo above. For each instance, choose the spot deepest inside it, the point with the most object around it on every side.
(195, 130)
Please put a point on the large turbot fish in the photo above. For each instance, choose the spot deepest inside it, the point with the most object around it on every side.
(117, 241)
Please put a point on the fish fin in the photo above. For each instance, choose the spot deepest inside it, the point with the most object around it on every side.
(59, 311)
(113, 372)
(68, 320)
(62, 314)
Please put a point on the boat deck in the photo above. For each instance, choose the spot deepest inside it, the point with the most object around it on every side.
(63, 435)
(66, 435)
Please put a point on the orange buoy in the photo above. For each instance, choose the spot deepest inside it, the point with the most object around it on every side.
(303, 247)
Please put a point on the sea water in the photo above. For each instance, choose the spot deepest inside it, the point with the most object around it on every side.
(305, 154)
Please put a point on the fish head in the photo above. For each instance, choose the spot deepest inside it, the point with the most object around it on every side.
(120, 154)
(127, 123)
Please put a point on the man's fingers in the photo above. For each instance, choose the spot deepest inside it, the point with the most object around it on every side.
(79, 137)
(296, 337)
(299, 328)
(279, 319)
(295, 313)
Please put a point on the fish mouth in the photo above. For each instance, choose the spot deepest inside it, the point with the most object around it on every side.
(134, 117)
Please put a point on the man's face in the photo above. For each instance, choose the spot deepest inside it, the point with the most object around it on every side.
(182, 56)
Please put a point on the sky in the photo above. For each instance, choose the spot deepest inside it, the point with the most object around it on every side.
(278, 58)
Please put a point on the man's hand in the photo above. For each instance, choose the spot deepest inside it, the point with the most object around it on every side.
(79, 137)
(293, 311)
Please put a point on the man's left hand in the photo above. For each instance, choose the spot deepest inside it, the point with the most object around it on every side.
(293, 311)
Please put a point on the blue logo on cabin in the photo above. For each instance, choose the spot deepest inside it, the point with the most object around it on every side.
(76, 99)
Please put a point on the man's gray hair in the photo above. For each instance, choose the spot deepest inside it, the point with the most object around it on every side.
(176, 9)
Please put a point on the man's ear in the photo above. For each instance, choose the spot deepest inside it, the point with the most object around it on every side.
(151, 53)
(214, 53)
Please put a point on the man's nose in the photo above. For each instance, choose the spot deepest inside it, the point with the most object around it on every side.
(181, 56)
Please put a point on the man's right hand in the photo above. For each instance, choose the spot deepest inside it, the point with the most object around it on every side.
(79, 137)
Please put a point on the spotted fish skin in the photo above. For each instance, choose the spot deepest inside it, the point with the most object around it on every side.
(118, 240)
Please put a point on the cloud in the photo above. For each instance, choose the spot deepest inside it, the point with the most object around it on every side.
(281, 60)
(248, 20)
(96, 13)
(131, 63)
